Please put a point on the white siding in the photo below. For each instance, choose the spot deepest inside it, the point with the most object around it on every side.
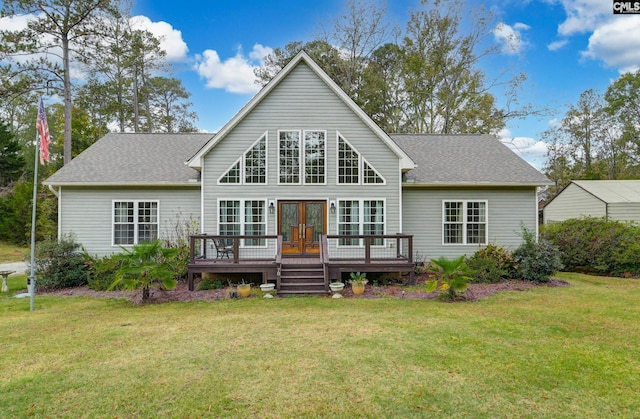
(573, 202)
(301, 102)
(508, 211)
(87, 213)
(624, 211)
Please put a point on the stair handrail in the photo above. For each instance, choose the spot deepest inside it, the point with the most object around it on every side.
(324, 259)
(278, 261)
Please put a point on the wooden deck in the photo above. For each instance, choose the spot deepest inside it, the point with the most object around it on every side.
(307, 274)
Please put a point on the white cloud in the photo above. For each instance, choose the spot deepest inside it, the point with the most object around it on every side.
(617, 43)
(530, 149)
(235, 74)
(556, 45)
(170, 39)
(16, 22)
(510, 37)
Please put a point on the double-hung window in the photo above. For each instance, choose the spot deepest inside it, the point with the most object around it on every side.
(302, 157)
(243, 217)
(464, 222)
(361, 217)
(135, 222)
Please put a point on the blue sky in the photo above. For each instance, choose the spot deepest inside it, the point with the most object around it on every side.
(564, 47)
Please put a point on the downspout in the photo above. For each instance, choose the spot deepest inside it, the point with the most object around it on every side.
(53, 191)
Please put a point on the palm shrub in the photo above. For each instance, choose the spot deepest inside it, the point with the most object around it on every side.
(452, 277)
(536, 260)
(145, 266)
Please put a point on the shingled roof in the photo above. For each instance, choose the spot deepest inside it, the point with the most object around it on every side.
(134, 159)
(459, 160)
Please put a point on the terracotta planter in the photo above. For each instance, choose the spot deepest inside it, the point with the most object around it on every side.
(358, 287)
(244, 290)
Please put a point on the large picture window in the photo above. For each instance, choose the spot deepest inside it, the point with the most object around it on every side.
(302, 157)
(134, 222)
(464, 222)
(243, 218)
(361, 217)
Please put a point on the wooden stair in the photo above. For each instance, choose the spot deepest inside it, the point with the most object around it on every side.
(301, 279)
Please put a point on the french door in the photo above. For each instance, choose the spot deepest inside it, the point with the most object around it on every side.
(301, 223)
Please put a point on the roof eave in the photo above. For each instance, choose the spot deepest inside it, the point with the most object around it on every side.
(472, 184)
(193, 183)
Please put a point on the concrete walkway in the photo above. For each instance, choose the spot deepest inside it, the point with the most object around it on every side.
(18, 267)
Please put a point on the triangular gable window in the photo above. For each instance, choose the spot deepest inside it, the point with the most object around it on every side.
(370, 175)
(353, 169)
(253, 164)
(232, 175)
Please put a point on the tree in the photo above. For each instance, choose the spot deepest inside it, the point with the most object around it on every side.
(358, 33)
(382, 93)
(169, 110)
(445, 91)
(623, 104)
(11, 160)
(58, 29)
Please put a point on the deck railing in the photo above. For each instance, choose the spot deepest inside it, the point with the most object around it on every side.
(369, 247)
(205, 247)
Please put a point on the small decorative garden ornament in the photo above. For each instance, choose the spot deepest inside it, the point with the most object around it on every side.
(336, 287)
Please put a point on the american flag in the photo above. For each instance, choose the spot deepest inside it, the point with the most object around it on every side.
(43, 130)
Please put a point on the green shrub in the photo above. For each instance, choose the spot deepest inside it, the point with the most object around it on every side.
(596, 245)
(212, 282)
(491, 264)
(60, 264)
(535, 260)
(101, 271)
(145, 266)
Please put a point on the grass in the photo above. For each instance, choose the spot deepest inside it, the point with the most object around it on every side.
(12, 253)
(547, 352)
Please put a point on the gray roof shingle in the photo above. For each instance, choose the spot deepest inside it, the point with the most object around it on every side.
(465, 160)
(134, 159)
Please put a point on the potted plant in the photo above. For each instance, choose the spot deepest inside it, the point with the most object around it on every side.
(336, 287)
(358, 281)
(244, 289)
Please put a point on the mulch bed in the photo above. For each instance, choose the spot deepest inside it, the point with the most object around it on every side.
(181, 292)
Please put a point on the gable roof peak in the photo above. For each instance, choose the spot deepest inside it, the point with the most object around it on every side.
(302, 57)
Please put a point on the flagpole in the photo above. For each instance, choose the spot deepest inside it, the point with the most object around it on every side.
(31, 281)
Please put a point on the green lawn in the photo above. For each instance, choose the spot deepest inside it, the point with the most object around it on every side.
(548, 352)
(12, 253)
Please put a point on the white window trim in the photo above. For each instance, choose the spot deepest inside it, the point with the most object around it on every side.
(242, 218)
(361, 220)
(304, 159)
(136, 222)
(361, 160)
(242, 159)
(465, 222)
